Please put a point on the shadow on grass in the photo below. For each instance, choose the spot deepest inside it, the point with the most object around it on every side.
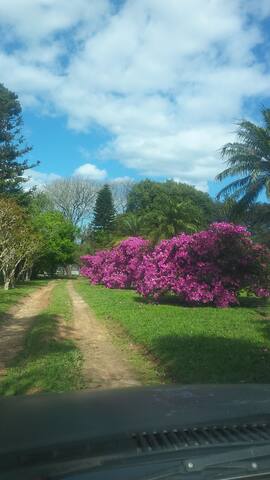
(173, 300)
(48, 362)
(205, 359)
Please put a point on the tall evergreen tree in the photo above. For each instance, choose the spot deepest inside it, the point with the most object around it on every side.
(104, 212)
(12, 145)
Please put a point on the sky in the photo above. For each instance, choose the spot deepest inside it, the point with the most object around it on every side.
(135, 88)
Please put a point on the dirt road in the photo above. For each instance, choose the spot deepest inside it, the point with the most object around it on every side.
(17, 322)
(104, 365)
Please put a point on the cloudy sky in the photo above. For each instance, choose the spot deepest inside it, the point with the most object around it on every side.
(135, 87)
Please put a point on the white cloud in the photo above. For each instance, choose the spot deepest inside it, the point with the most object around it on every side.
(166, 79)
(90, 171)
(123, 179)
(38, 179)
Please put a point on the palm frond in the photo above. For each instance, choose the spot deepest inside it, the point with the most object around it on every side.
(253, 136)
(252, 193)
(236, 188)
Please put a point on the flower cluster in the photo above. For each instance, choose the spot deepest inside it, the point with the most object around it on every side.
(118, 267)
(209, 267)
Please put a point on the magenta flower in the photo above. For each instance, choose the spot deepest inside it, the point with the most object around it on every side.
(209, 267)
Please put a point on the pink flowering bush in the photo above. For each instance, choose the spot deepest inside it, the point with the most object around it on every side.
(118, 267)
(209, 267)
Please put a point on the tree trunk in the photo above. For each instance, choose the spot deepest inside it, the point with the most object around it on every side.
(9, 280)
(27, 275)
(7, 284)
(68, 270)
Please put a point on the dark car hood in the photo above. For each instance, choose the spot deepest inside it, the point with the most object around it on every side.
(49, 419)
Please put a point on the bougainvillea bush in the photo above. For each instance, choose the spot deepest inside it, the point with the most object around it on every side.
(209, 267)
(118, 267)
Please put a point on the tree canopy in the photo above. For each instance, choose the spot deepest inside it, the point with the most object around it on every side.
(12, 146)
(164, 209)
(74, 197)
(58, 238)
(248, 159)
(104, 212)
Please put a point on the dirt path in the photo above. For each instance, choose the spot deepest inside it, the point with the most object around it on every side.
(17, 321)
(104, 365)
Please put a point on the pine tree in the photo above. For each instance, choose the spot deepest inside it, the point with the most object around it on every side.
(104, 212)
(12, 145)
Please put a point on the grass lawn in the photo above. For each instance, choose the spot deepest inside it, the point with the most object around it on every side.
(191, 344)
(48, 362)
(10, 297)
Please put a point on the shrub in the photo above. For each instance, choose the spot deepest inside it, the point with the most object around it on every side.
(211, 266)
(118, 267)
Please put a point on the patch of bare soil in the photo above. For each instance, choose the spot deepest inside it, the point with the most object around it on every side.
(18, 320)
(104, 365)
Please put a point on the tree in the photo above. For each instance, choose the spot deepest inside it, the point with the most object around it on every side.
(168, 208)
(104, 213)
(39, 202)
(257, 219)
(12, 146)
(142, 196)
(120, 191)
(249, 159)
(172, 218)
(148, 195)
(58, 238)
(130, 224)
(74, 198)
(19, 243)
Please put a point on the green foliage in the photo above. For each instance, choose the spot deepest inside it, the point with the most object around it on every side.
(171, 219)
(58, 237)
(39, 203)
(12, 146)
(248, 159)
(130, 224)
(162, 210)
(257, 218)
(148, 195)
(20, 244)
(48, 362)
(192, 345)
(104, 212)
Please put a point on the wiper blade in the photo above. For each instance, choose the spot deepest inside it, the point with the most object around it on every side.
(252, 453)
(246, 459)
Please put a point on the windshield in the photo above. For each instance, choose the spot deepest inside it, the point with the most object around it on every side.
(134, 226)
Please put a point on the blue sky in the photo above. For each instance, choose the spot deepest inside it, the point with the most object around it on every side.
(135, 88)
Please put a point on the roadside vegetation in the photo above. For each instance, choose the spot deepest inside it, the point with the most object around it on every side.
(50, 360)
(191, 344)
(157, 237)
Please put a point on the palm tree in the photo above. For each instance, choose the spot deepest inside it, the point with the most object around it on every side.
(249, 159)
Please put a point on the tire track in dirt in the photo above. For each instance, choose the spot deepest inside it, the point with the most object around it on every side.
(18, 320)
(104, 365)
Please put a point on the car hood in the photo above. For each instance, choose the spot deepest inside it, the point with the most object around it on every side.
(48, 419)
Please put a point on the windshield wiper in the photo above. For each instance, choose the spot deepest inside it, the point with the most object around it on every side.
(246, 459)
(252, 454)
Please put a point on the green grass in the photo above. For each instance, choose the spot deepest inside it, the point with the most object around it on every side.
(191, 344)
(11, 297)
(48, 362)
